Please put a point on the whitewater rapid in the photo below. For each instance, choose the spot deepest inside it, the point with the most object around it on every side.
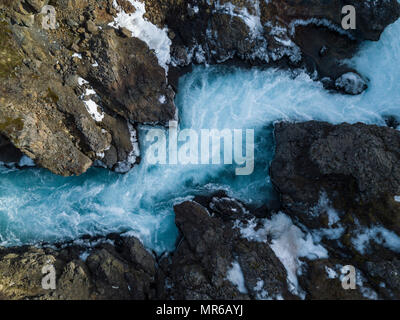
(37, 206)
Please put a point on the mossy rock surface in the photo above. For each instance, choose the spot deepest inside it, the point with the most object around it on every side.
(9, 125)
(51, 96)
(10, 58)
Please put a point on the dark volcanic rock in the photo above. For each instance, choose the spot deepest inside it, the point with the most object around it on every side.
(339, 182)
(351, 83)
(320, 285)
(291, 33)
(8, 153)
(386, 272)
(392, 121)
(116, 278)
(354, 164)
(372, 17)
(209, 250)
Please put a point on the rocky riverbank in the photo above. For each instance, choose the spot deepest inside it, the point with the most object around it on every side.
(71, 97)
(339, 187)
(341, 184)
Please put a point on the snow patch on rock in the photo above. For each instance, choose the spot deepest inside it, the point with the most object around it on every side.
(235, 276)
(287, 241)
(332, 274)
(335, 229)
(91, 106)
(262, 294)
(157, 39)
(77, 55)
(288, 47)
(82, 81)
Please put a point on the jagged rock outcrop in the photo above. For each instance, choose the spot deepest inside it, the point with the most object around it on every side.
(341, 182)
(356, 165)
(51, 112)
(129, 79)
(212, 261)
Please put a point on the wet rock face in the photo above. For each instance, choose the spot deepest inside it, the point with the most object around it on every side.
(212, 261)
(339, 182)
(312, 156)
(351, 83)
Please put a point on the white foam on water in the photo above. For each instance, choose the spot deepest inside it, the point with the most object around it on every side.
(25, 161)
